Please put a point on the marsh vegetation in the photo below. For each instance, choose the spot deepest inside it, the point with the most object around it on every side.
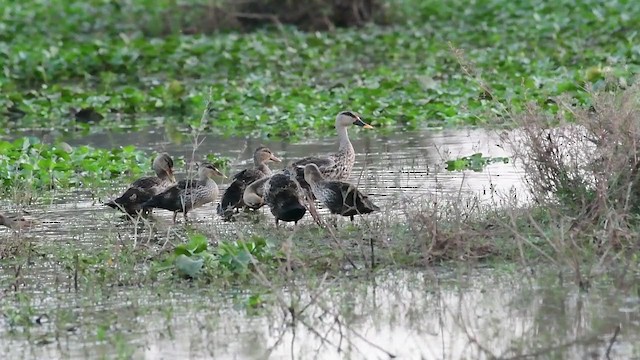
(504, 163)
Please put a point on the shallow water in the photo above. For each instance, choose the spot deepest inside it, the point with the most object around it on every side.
(410, 315)
(433, 315)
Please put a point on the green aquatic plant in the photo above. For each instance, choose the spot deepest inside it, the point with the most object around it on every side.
(29, 162)
(288, 83)
(234, 259)
(475, 162)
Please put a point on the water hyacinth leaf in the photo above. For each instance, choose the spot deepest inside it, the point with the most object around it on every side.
(189, 266)
(197, 243)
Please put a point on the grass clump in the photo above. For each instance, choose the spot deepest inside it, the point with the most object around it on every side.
(586, 170)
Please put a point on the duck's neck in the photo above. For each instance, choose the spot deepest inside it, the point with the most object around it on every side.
(313, 178)
(262, 167)
(206, 180)
(343, 138)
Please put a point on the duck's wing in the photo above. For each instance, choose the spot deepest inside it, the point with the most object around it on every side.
(131, 200)
(355, 202)
(146, 182)
(248, 176)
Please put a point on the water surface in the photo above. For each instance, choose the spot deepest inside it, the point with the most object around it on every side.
(437, 314)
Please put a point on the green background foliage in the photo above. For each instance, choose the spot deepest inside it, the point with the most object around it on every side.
(135, 63)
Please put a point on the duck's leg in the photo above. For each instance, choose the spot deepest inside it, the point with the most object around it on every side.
(175, 214)
(277, 223)
(184, 214)
(351, 217)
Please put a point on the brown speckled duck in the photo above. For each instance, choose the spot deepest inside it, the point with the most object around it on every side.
(144, 188)
(17, 222)
(339, 197)
(283, 196)
(232, 197)
(253, 196)
(188, 194)
(337, 166)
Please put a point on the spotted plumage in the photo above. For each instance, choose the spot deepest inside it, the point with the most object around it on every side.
(188, 194)
(340, 197)
(145, 188)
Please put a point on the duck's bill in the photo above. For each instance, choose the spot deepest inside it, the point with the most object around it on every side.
(275, 158)
(359, 122)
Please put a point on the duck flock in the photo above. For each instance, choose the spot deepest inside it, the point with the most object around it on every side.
(289, 193)
(284, 192)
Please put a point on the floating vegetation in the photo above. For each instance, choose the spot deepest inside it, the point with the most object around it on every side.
(475, 162)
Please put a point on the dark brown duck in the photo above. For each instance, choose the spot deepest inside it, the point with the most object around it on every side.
(232, 197)
(146, 187)
(340, 197)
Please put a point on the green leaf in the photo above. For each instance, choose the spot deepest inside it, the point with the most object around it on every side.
(189, 266)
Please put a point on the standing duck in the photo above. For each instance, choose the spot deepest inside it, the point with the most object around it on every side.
(283, 195)
(339, 197)
(144, 188)
(17, 222)
(336, 166)
(188, 194)
(232, 197)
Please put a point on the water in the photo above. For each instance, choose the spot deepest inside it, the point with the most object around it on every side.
(438, 314)
(411, 315)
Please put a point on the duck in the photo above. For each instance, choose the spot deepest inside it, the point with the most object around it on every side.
(146, 187)
(253, 196)
(188, 194)
(17, 222)
(340, 197)
(232, 197)
(283, 196)
(337, 166)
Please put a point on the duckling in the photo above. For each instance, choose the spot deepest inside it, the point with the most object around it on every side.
(18, 222)
(282, 194)
(232, 197)
(144, 188)
(336, 166)
(339, 197)
(188, 194)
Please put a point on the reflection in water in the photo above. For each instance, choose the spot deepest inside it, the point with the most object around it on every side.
(408, 314)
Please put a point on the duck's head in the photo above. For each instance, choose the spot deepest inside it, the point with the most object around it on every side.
(163, 164)
(348, 118)
(312, 173)
(206, 169)
(263, 154)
